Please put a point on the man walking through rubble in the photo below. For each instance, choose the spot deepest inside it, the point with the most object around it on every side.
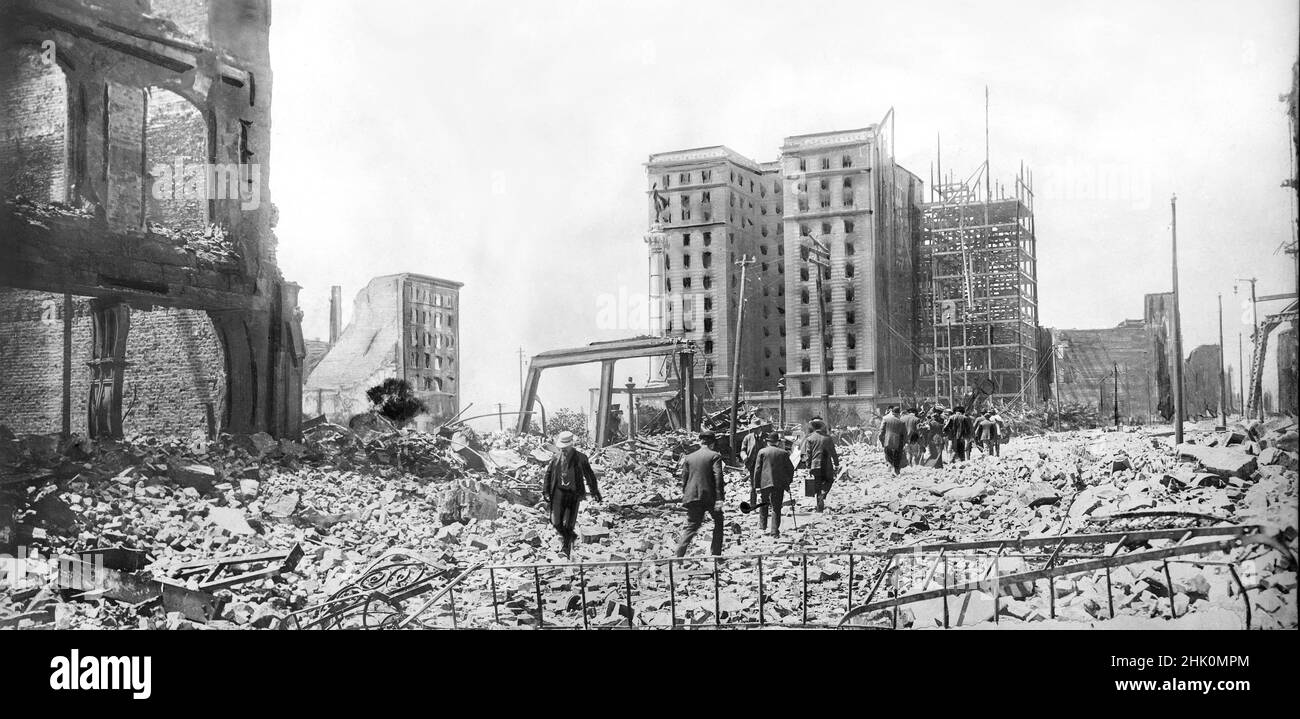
(563, 487)
(703, 490)
(749, 449)
(987, 434)
(958, 431)
(932, 435)
(913, 436)
(773, 473)
(893, 430)
(819, 449)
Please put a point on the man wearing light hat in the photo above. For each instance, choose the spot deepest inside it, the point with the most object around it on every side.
(563, 487)
(702, 491)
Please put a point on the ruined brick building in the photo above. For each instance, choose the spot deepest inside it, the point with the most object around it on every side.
(1082, 368)
(404, 325)
(139, 288)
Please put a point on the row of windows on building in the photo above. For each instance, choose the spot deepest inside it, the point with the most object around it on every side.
(826, 273)
(824, 185)
(430, 383)
(824, 201)
(706, 258)
(850, 341)
(430, 361)
(824, 162)
(806, 388)
(738, 179)
(805, 230)
(429, 297)
(425, 318)
(437, 340)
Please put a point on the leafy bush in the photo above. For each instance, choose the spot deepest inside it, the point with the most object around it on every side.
(395, 399)
(572, 420)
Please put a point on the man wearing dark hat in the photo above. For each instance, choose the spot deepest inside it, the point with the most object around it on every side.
(749, 449)
(958, 430)
(932, 436)
(702, 491)
(986, 431)
(822, 460)
(563, 487)
(893, 432)
(773, 473)
(912, 420)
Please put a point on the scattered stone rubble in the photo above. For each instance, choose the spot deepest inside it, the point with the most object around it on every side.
(346, 496)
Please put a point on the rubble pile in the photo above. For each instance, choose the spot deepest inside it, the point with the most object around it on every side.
(342, 497)
(34, 212)
(211, 244)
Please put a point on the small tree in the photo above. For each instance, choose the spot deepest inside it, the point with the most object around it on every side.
(395, 399)
(572, 420)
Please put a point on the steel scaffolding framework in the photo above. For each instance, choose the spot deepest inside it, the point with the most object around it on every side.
(978, 282)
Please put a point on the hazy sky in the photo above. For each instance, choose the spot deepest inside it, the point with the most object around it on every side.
(502, 144)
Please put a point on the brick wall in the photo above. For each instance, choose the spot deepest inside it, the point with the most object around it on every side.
(176, 366)
(125, 153)
(176, 140)
(190, 16)
(1201, 381)
(1086, 370)
(33, 127)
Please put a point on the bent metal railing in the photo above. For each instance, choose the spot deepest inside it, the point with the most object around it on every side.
(665, 592)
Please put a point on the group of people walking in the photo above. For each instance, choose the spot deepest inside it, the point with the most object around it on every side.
(907, 439)
(913, 439)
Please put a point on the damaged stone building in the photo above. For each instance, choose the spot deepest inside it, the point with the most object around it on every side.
(139, 289)
(1084, 363)
(710, 207)
(404, 325)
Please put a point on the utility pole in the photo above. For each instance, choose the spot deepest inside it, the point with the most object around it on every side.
(1241, 374)
(501, 425)
(744, 262)
(631, 409)
(819, 256)
(1249, 405)
(1223, 382)
(1056, 381)
(1116, 393)
(521, 374)
(952, 394)
(780, 389)
(1178, 327)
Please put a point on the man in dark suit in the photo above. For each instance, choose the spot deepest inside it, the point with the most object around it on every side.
(987, 434)
(932, 436)
(912, 436)
(703, 491)
(773, 473)
(893, 432)
(958, 430)
(749, 448)
(822, 460)
(563, 487)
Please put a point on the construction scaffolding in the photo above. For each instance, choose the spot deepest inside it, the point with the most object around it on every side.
(978, 283)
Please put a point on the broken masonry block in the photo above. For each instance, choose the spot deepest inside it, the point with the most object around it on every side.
(196, 476)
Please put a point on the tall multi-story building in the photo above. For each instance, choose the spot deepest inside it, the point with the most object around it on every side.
(711, 207)
(404, 325)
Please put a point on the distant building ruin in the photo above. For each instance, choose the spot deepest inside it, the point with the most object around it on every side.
(405, 326)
